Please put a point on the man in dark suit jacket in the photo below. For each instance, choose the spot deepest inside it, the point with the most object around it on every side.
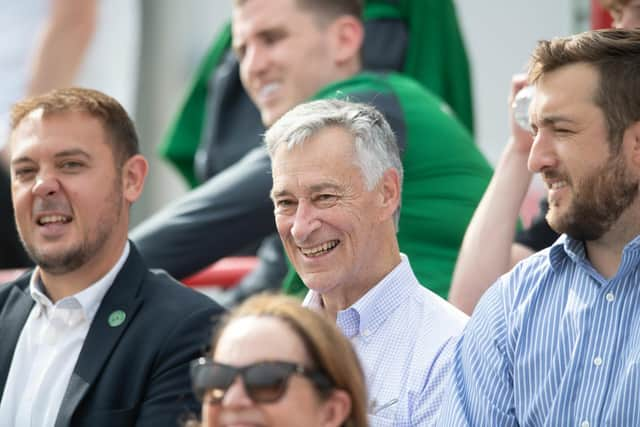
(90, 337)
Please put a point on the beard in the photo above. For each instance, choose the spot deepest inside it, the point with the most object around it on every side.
(92, 241)
(598, 200)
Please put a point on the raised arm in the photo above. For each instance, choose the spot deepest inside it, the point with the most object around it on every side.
(62, 44)
(488, 249)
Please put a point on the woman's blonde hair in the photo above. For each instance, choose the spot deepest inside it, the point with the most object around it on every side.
(329, 350)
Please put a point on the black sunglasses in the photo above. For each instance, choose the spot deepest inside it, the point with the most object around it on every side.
(264, 382)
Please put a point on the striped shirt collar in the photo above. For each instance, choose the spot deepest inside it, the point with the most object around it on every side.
(567, 248)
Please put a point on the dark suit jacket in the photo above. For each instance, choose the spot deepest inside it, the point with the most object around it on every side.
(132, 374)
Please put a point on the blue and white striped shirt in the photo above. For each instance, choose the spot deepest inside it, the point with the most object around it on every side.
(552, 343)
(404, 337)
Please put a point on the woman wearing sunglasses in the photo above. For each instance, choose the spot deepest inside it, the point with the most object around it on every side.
(276, 363)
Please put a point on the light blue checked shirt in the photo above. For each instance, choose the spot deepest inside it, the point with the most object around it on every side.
(403, 334)
(552, 343)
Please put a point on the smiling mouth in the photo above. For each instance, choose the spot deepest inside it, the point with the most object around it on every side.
(557, 185)
(320, 250)
(268, 90)
(54, 219)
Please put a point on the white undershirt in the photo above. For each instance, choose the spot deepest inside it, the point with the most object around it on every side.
(47, 351)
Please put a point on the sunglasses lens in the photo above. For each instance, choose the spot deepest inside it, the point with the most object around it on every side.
(212, 380)
(267, 382)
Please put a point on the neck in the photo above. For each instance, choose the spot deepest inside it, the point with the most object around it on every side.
(59, 286)
(344, 295)
(605, 253)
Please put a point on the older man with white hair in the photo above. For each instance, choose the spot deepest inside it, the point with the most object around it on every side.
(337, 179)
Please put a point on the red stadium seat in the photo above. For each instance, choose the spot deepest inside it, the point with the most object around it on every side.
(225, 273)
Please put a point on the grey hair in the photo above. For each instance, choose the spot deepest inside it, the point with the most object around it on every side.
(375, 147)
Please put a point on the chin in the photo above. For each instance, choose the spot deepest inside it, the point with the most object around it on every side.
(268, 118)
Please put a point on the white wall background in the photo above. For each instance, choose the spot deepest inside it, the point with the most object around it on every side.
(175, 36)
(499, 36)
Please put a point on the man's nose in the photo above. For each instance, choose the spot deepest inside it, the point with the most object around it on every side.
(542, 154)
(255, 61)
(305, 221)
(45, 185)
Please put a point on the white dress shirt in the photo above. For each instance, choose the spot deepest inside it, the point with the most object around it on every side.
(404, 336)
(47, 351)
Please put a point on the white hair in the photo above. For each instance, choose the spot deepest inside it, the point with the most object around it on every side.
(375, 147)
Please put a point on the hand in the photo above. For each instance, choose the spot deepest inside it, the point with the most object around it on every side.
(521, 138)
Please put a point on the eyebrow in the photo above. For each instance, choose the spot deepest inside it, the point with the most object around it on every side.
(313, 189)
(551, 120)
(62, 154)
(275, 31)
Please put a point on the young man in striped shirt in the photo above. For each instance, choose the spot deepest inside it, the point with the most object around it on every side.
(556, 341)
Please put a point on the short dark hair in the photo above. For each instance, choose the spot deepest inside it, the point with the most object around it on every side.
(333, 8)
(327, 9)
(615, 54)
(116, 122)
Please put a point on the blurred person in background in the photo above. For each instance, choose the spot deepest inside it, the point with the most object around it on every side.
(275, 363)
(445, 173)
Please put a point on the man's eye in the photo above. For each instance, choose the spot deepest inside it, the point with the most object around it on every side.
(563, 131)
(273, 37)
(71, 165)
(325, 200)
(285, 205)
(23, 173)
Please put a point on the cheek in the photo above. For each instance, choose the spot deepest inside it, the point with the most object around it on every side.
(283, 225)
(20, 200)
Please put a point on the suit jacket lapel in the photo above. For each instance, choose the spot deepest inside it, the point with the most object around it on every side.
(102, 338)
(12, 319)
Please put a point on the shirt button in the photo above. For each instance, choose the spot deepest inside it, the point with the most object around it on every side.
(366, 332)
(585, 423)
(610, 297)
(597, 361)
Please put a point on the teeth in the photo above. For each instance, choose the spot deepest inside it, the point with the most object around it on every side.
(53, 218)
(320, 250)
(558, 185)
(268, 89)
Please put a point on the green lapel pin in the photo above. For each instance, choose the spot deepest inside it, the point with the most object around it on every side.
(117, 318)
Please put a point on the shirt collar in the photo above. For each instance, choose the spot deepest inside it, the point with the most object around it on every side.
(568, 247)
(87, 301)
(367, 314)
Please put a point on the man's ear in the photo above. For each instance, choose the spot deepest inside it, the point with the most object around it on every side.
(389, 187)
(347, 38)
(336, 409)
(134, 172)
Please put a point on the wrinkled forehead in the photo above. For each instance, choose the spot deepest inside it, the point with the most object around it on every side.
(330, 150)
